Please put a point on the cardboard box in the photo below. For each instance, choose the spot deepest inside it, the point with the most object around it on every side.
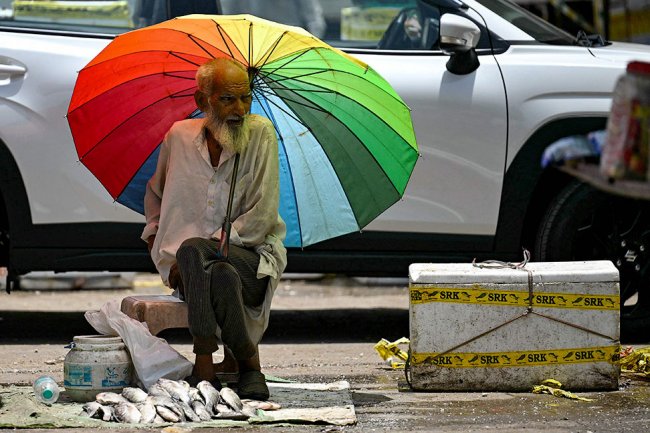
(479, 328)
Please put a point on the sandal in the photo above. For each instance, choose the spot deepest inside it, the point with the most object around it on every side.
(252, 385)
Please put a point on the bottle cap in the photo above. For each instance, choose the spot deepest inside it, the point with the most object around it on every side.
(47, 393)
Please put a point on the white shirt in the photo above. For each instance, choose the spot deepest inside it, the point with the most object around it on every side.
(187, 197)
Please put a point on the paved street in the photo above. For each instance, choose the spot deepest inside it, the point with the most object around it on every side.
(324, 330)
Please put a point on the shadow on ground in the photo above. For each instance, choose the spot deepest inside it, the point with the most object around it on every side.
(296, 326)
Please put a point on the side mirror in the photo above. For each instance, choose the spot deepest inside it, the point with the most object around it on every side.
(458, 39)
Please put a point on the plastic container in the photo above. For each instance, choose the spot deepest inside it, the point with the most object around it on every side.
(46, 390)
(626, 151)
(96, 363)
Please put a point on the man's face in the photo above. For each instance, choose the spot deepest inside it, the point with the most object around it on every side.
(232, 96)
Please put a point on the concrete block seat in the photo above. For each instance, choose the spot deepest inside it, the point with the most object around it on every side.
(160, 312)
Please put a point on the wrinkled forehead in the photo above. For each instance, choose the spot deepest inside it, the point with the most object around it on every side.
(231, 79)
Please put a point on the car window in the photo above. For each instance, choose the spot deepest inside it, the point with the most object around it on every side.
(530, 23)
(103, 16)
(386, 24)
(96, 16)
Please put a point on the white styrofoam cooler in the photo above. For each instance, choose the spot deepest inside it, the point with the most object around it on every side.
(476, 328)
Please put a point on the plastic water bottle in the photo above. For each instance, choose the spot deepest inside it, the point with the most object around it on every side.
(46, 389)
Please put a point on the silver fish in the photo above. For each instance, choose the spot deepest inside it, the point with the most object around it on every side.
(225, 412)
(134, 395)
(249, 411)
(148, 411)
(91, 409)
(195, 395)
(107, 413)
(110, 398)
(167, 414)
(189, 412)
(201, 410)
(209, 393)
(156, 389)
(160, 400)
(231, 398)
(176, 389)
(127, 413)
(264, 405)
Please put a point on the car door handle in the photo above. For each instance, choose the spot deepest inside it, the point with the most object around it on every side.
(12, 69)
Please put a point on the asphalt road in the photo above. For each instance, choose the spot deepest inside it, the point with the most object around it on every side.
(323, 331)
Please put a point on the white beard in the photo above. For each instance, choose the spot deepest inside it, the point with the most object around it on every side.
(232, 138)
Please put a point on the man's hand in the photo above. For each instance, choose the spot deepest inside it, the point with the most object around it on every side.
(175, 281)
(150, 241)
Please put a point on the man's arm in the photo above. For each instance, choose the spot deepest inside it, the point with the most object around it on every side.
(153, 196)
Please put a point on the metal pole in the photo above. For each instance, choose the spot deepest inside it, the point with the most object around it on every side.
(225, 230)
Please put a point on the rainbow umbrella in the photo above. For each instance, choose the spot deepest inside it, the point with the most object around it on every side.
(347, 145)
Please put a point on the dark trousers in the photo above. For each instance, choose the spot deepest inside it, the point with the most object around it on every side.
(216, 292)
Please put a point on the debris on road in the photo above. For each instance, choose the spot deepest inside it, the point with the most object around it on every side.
(390, 351)
(553, 387)
(636, 361)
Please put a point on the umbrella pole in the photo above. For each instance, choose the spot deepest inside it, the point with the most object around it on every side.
(225, 231)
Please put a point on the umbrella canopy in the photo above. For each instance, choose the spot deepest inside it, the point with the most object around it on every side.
(347, 145)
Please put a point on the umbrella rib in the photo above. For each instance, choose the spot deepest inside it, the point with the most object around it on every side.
(292, 59)
(81, 157)
(196, 42)
(183, 58)
(291, 115)
(222, 33)
(271, 49)
(169, 74)
(318, 108)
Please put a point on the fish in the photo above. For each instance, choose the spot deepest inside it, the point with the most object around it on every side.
(127, 413)
(249, 411)
(200, 409)
(264, 405)
(158, 419)
(148, 411)
(195, 395)
(176, 389)
(231, 398)
(167, 414)
(110, 398)
(91, 409)
(225, 412)
(156, 389)
(209, 393)
(188, 412)
(107, 413)
(134, 395)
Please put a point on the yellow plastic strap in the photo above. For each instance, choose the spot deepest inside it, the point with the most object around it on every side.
(422, 294)
(552, 387)
(388, 351)
(529, 358)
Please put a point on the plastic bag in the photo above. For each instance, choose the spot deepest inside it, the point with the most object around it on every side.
(152, 357)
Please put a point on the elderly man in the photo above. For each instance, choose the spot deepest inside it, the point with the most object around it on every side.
(185, 208)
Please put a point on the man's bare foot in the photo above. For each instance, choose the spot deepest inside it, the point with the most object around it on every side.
(203, 368)
(250, 364)
(229, 363)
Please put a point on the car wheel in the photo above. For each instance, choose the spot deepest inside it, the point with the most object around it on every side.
(583, 223)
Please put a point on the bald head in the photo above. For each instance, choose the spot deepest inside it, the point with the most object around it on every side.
(217, 70)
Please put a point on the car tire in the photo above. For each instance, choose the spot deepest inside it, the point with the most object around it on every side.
(583, 223)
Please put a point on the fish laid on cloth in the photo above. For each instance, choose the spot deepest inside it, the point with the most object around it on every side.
(173, 401)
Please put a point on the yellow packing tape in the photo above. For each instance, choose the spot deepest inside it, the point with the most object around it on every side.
(422, 294)
(527, 358)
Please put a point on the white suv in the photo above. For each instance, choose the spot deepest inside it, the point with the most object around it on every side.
(490, 86)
